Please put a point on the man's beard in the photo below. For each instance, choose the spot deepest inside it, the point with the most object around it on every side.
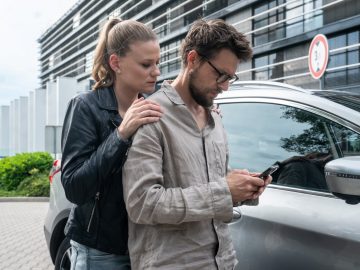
(197, 95)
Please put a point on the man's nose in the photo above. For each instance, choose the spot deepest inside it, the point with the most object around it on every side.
(224, 86)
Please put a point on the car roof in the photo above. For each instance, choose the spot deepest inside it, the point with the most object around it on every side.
(348, 99)
(340, 103)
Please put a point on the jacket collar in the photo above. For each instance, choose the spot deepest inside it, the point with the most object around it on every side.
(107, 99)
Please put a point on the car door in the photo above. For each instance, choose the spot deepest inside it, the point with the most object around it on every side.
(296, 225)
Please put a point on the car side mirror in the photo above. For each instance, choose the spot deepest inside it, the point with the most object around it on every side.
(343, 178)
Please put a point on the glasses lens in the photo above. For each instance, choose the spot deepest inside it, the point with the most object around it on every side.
(226, 78)
(223, 78)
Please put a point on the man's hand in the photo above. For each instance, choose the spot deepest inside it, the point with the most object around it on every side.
(245, 186)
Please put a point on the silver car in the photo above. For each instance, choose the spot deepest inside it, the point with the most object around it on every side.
(308, 217)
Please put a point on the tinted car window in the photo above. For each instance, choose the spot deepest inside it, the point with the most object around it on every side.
(348, 142)
(260, 134)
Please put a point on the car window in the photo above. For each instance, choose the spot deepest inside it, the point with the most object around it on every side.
(348, 142)
(260, 134)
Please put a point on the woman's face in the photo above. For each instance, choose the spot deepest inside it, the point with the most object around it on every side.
(139, 67)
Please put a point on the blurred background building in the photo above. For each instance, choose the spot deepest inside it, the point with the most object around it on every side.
(280, 31)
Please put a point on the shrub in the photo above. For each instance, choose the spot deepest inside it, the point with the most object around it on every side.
(36, 185)
(13, 170)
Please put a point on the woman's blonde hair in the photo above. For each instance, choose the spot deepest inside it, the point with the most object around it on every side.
(116, 37)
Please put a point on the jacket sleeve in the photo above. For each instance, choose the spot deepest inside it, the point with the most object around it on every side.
(149, 201)
(85, 158)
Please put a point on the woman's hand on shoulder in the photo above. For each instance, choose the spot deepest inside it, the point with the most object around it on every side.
(141, 112)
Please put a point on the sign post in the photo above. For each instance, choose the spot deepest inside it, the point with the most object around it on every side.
(318, 56)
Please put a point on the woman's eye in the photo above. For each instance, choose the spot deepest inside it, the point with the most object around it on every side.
(146, 65)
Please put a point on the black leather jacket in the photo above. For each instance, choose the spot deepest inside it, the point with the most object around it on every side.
(92, 159)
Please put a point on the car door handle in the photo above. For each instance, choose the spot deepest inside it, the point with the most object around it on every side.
(236, 213)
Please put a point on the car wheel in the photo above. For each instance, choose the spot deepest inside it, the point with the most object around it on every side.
(63, 255)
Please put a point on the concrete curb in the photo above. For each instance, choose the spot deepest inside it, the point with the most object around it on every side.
(24, 199)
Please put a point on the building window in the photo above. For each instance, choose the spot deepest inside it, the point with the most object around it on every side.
(115, 13)
(301, 17)
(170, 60)
(268, 33)
(160, 26)
(89, 59)
(343, 69)
(51, 60)
(135, 7)
(76, 20)
(277, 20)
(265, 70)
(194, 11)
(214, 6)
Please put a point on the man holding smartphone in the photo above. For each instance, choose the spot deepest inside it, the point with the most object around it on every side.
(178, 191)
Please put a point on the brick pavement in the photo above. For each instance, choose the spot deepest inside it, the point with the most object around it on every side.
(22, 241)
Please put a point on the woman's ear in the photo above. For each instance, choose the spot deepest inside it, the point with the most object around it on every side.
(114, 63)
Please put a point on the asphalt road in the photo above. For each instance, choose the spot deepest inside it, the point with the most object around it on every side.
(22, 241)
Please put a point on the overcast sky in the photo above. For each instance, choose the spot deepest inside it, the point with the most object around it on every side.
(21, 24)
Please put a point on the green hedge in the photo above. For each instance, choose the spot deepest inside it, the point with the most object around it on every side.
(36, 185)
(15, 169)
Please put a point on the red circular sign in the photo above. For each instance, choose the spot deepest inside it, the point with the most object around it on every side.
(318, 56)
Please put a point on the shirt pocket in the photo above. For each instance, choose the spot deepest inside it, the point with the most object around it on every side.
(219, 161)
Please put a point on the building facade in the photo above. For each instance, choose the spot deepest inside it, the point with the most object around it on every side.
(280, 32)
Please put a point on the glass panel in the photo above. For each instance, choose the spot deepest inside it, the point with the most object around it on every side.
(301, 141)
(353, 57)
(354, 76)
(348, 142)
(261, 75)
(335, 78)
(337, 42)
(261, 61)
(353, 38)
(260, 9)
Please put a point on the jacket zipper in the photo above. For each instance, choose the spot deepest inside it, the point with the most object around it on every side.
(97, 197)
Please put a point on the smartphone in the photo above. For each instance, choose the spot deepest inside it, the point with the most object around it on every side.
(269, 171)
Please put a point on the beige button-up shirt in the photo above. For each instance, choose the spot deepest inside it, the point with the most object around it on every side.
(175, 191)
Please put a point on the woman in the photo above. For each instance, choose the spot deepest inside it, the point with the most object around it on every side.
(96, 136)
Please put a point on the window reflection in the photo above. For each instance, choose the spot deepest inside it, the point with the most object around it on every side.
(261, 134)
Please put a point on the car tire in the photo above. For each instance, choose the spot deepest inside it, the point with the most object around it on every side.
(63, 255)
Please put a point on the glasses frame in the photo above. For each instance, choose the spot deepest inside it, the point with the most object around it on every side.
(223, 76)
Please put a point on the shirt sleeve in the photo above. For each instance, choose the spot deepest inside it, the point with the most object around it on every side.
(147, 199)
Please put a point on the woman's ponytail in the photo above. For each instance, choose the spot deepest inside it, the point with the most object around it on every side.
(102, 73)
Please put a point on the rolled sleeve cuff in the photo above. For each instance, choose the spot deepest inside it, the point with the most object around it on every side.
(222, 200)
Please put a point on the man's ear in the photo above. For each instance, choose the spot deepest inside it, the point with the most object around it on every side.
(191, 58)
(114, 63)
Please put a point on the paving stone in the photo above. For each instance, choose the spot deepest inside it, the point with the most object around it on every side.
(22, 240)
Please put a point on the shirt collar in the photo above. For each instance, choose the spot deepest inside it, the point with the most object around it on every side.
(171, 93)
(175, 98)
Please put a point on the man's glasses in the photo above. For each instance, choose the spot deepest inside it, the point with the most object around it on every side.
(223, 77)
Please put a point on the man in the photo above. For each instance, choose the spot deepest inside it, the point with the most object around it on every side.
(177, 190)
